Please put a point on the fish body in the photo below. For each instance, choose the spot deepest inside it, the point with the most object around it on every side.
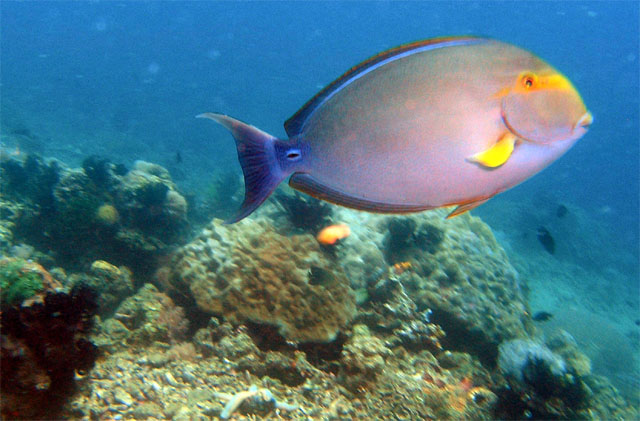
(561, 211)
(541, 316)
(450, 121)
(546, 239)
(332, 234)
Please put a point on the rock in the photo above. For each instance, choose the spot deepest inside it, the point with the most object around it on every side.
(363, 358)
(147, 317)
(148, 410)
(464, 277)
(158, 359)
(111, 283)
(121, 396)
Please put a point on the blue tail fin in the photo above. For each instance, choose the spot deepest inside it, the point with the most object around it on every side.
(258, 153)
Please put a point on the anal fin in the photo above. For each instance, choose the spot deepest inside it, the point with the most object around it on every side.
(466, 207)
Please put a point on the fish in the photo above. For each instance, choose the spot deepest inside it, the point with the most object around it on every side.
(561, 211)
(547, 241)
(442, 122)
(330, 235)
(542, 316)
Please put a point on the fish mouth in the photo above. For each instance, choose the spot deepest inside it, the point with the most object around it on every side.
(579, 129)
(585, 121)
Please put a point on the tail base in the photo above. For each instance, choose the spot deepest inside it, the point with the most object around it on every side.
(257, 156)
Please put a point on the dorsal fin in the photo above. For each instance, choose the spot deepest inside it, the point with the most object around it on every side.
(293, 125)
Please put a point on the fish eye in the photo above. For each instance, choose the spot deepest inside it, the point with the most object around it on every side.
(528, 80)
(293, 154)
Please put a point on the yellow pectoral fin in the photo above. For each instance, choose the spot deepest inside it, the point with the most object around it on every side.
(496, 155)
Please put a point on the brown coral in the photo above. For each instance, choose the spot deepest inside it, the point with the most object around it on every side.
(248, 271)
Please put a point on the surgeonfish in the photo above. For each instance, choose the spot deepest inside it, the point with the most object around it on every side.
(441, 122)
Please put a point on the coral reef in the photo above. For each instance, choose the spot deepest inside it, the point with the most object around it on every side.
(304, 212)
(149, 201)
(542, 385)
(143, 319)
(22, 280)
(44, 349)
(107, 214)
(262, 396)
(99, 211)
(248, 272)
(522, 359)
(222, 195)
(457, 271)
(111, 283)
(278, 300)
(17, 284)
(412, 317)
(363, 359)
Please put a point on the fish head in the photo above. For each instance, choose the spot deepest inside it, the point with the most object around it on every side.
(543, 106)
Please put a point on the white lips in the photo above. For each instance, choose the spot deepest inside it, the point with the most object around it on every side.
(585, 121)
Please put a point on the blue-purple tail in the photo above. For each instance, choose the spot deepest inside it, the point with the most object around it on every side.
(265, 161)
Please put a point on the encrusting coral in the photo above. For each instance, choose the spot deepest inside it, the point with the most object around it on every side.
(249, 272)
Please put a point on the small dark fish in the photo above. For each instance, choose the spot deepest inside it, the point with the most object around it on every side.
(561, 211)
(120, 169)
(547, 241)
(541, 316)
(178, 157)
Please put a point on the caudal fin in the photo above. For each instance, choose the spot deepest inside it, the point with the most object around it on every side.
(258, 158)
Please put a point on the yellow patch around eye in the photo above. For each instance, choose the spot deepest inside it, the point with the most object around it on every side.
(556, 82)
(530, 82)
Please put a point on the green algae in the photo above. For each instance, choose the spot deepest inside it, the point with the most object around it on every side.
(17, 284)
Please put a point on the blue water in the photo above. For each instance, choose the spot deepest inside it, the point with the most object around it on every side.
(125, 79)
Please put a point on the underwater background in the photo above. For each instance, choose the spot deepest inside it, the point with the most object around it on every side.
(111, 89)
